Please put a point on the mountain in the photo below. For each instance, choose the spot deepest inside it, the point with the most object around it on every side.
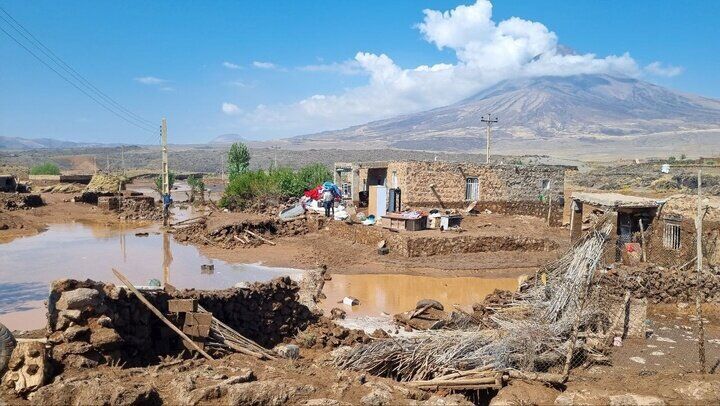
(596, 107)
(228, 139)
(18, 143)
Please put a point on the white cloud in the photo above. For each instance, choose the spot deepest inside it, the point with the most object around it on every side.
(150, 80)
(230, 109)
(265, 65)
(350, 67)
(658, 69)
(231, 65)
(486, 52)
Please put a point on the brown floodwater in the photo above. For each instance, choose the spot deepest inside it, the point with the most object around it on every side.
(394, 293)
(90, 251)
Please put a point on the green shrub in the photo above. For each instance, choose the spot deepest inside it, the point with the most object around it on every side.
(48, 168)
(158, 182)
(275, 184)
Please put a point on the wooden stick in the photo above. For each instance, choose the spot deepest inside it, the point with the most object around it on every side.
(538, 376)
(238, 239)
(260, 238)
(642, 240)
(157, 312)
(188, 220)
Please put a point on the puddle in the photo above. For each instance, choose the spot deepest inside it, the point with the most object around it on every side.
(393, 294)
(88, 251)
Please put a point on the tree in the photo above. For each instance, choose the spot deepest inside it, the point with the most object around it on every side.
(197, 186)
(48, 168)
(158, 182)
(238, 159)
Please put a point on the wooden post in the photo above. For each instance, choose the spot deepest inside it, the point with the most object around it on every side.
(698, 276)
(157, 312)
(642, 240)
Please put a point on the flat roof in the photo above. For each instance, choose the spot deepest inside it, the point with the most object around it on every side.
(615, 200)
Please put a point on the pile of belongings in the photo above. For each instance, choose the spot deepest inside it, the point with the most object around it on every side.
(313, 200)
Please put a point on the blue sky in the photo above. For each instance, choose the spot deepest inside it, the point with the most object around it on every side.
(271, 69)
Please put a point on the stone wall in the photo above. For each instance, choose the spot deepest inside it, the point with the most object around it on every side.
(442, 184)
(91, 323)
(527, 208)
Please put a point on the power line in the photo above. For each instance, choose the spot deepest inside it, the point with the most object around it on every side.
(145, 127)
(59, 61)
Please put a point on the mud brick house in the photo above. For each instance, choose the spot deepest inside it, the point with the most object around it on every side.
(501, 188)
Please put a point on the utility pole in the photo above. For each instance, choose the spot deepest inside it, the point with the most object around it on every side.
(698, 276)
(165, 173)
(489, 121)
(107, 164)
(122, 158)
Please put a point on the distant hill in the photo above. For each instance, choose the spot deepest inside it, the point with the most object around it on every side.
(228, 139)
(18, 143)
(593, 108)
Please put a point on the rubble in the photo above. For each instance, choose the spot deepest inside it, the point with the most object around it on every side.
(325, 334)
(20, 201)
(661, 285)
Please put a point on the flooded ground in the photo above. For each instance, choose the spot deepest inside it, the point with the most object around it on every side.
(90, 251)
(393, 294)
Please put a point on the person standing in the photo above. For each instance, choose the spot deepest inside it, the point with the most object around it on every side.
(328, 199)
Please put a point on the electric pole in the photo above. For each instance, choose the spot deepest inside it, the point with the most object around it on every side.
(107, 163)
(698, 275)
(165, 173)
(489, 121)
(122, 158)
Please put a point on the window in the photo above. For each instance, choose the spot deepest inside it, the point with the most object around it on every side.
(671, 236)
(472, 189)
(346, 189)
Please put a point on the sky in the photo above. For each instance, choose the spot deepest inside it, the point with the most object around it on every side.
(272, 69)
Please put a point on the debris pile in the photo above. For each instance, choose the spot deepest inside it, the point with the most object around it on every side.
(243, 234)
(105, 183)
(63, 188)
(535, 333)
(139, 208)
(91, 323)
(326, 334)
(19, 201)
(263, 312)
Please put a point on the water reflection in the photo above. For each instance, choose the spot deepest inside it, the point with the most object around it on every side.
(398, 293)
(14, 296)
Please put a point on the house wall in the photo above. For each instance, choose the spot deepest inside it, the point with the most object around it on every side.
(496, 183)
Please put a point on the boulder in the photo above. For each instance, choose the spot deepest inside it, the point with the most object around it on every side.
(78, 299)
(429, 302)
(105, 338)
(289, 351)
(28, 368)
(526, 393)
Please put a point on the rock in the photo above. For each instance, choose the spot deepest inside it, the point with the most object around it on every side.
(104, 321)
(28, 368)
(59, 352)
(631, 399)
(573, 397)
(271, 393)
(700, 391)
(379, 396)
(76, 333)
(289, 351)
(94, 392)
(450, 400)
(521, 392)
(429, 302)
(78, 299)
(337, 313)
(379, 333)
(105, 338)
(325, 402)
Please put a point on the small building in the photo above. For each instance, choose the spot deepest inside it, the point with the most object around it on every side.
(500, 188)
(8, 183)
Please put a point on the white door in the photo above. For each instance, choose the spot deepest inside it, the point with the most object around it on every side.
(472, 189)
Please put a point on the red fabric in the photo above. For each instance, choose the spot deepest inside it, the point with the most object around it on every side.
(315, 194)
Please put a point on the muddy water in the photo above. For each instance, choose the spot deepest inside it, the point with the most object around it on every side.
(393, 294)
(88, 251)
